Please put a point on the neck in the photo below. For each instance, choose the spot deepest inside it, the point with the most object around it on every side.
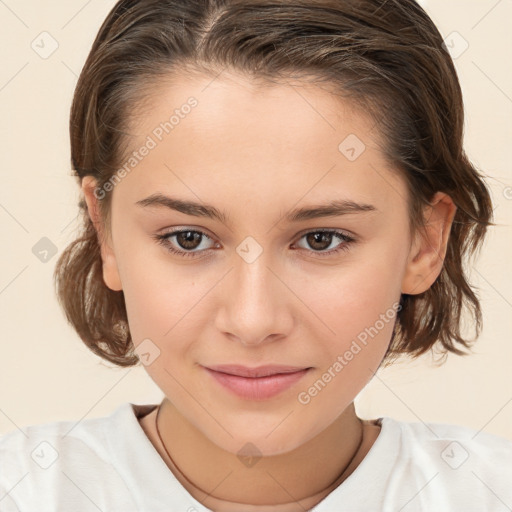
(306, 474)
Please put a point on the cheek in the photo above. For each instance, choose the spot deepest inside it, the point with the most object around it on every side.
(361, 310)
(161, 297)
(168, 300)
(354, 297)
(358, 307)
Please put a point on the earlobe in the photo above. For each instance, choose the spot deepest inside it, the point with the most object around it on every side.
(428, 250)
(110, 271)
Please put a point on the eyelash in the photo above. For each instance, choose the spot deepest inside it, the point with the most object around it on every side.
(163, 239)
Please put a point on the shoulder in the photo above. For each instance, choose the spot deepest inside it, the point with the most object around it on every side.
(46, 443)
(454, 443)
(74, 457)
(453, 464)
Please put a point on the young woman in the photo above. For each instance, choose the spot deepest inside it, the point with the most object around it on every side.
(276, 202)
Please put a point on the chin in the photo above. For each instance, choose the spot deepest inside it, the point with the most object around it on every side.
(246, 447)
(260, 439)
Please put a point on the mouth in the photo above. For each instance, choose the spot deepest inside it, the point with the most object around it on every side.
(259, 383)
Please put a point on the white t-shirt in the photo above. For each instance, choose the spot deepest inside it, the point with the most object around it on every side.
(108, 464)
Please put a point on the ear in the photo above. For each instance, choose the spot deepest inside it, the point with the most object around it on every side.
(110, 270)
(428, 249)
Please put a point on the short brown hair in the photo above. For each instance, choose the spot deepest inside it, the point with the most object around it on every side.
(387, 56)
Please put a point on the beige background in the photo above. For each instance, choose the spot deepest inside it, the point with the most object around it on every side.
(47, 374)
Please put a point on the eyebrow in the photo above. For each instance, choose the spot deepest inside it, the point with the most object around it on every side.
(332, 209)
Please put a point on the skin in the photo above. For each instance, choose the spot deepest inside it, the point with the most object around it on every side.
(256, 152)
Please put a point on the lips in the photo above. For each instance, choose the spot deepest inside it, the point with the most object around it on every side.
(260, 371)
(259, 383)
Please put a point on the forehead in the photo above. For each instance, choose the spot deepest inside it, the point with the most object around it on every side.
(285, 111)
(258, 138)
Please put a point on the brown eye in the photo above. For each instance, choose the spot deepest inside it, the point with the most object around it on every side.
(188, 239)
(186, 243)
(319, 241)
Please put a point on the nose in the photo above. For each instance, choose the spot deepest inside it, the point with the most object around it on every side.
(255, 305)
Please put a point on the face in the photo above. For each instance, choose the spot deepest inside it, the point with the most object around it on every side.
(248, 277)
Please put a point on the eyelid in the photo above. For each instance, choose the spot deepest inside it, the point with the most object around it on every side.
(299, 235)
(347, 239)
(180, 229)
(339, 231)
